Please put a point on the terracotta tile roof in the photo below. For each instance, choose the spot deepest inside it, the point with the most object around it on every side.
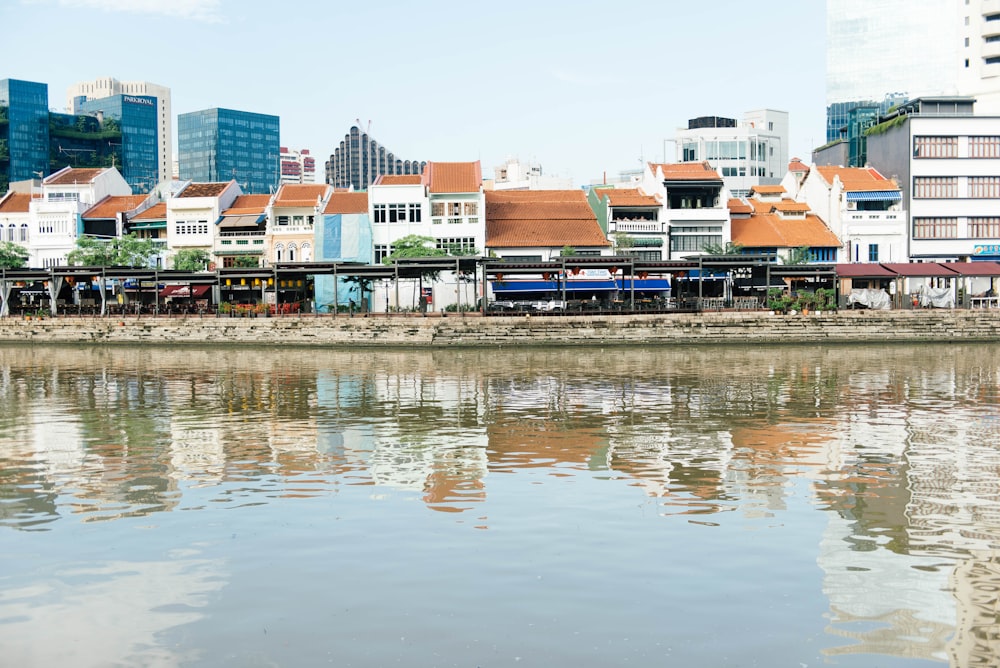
(739, 206)
(347, 203)
(15, 203)
(541, 218)
(769, 230)
(71, 176)
(204, 189)
(300, 194)
(155, 212)
(246, 205)
(797, 165)
(686, 171)
(627, 197)
(790, 206)
(112, 205)
(398, 180)
(767, 190)
(453, 177)
(857, 179)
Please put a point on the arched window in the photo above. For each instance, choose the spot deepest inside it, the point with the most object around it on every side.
(10, 232)
(279, 252)
(24, 232)
(291, 252)
(306, 252)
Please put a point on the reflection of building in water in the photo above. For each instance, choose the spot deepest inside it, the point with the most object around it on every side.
(976, 583)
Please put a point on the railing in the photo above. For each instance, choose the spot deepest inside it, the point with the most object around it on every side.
(637, 226)
(242, 234)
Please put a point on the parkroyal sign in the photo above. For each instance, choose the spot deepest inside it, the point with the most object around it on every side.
(137, 100)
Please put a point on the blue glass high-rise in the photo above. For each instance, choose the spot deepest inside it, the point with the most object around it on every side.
(24, 131)
(216, 145)
(137, 119)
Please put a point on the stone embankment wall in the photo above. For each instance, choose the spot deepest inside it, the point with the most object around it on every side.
(474, 330)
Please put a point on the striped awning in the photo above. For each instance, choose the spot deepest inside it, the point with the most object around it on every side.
(874, 196)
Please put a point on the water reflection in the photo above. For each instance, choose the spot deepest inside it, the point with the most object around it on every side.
(894, 452)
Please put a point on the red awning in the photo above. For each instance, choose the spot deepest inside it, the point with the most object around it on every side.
(182, 291)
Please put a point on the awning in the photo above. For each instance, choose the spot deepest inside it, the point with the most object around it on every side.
(644, 284)
(874, 196)
(647, 242)
(180, 291)
(552, 286)
(152, 225)
(863, 270)
(241, 221)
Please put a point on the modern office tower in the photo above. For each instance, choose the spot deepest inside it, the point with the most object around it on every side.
(880, 48)
(745, 153)
(108, 87)
(297, 166)
(359, 160)
(218, 145)
(24, 131)
(134, 119)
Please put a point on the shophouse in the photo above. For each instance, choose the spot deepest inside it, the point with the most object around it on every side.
(193, 212)
(291, 226)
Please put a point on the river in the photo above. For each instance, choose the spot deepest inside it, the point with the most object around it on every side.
(668, 506)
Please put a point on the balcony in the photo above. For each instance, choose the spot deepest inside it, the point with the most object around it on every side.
(640, 226)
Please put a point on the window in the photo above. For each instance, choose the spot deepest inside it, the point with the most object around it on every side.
(454, 221)
(984, 187)
(935, 147)
(397, 213)
(414, 213)
(935, 228)
(379, 211)
(282, 220)
(694, 242)
(472, 208)
(437, 208)
(935, 187)
(984, 228)
(454, 208)
(984, 147)
(822, 254)
(381, 253)
(873, 252)
(457, 245)
(653, 255)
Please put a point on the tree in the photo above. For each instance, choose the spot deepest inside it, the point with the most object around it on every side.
(568, 251)
(729, 248)
(414, 245)
(191, 259)
(797, 256)
(246, 261)
(623, 241)
(12, 256)
(126, 251)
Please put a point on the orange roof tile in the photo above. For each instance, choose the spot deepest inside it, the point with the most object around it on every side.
(767, 190)
(790, 206)
(246, 205)
(73, 175)
(203, 189)
(797, 165)
(768, 230)
(155, 212)
(453, 177)
(739, 206)
(341, 202)
(541, 218)
(112, 205)
(627, 197)
(300, 194)
(15, 203)
(398, 180)
(686, 171)
(857, 179)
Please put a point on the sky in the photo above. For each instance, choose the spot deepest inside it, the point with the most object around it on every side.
(586, 89)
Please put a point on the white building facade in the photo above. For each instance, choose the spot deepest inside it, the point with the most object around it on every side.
(192, 215)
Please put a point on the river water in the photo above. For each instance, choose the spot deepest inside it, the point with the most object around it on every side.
(696, 506)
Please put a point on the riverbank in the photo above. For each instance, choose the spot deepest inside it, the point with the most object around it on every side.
(475, 330)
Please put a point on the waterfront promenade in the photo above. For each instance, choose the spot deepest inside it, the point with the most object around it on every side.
(435, 330)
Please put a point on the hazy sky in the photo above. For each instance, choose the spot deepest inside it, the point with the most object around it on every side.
(581, 88)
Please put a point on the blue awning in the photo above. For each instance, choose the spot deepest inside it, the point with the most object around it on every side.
(644, 284)
(874, 196)
(551, 286)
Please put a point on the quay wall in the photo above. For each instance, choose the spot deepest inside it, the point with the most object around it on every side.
(751, 328)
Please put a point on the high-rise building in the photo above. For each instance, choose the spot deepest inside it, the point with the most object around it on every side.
(218, 145)
(134, 117)
(359, 160)
(747, 153)
(24, 131)
(108, 87)
(880, 48)
(297, 166)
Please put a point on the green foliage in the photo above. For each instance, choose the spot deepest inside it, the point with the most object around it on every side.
(623, 240)
(885, 126)
(413, 245)
(12, 256)
(246, 261)
(191, 259)
(126, 251)
(800, 255)
(568, 251)
(729, 248)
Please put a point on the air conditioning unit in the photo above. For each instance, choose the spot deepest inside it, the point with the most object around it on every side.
(852, 206)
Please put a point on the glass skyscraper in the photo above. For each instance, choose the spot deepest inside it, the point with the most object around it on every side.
(135, 117)
(24, 131)
(217, 145)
